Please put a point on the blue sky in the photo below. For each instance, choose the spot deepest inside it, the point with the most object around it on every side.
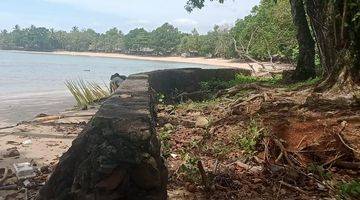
(123, 14)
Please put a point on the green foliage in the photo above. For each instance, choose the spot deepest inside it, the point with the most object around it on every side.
(214, 84)
(269, 23)
(320, 171)
(137, 40)
(86, 93)
(268, 30)
(188, 170)
(350, 190)
(249, 140)
(244, 79)
(190, 42)
(160, 97)
(111, 41)
(219, 150)
(165, 137)
(306, 83)
(165, 39)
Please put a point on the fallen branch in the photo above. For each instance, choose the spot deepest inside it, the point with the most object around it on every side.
(253, 169)
(292, 187)
(7, 127)
(242, 53)
(348, 165)
(9, 187)
(284, 151)
(5, 176)
(343, 124)
(242, 102)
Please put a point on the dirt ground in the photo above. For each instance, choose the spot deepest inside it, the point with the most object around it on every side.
(259, 142)
(250, 142)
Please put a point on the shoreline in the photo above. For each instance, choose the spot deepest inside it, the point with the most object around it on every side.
(216, 62)
(194, 60)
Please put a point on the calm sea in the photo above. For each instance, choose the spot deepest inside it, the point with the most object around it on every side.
(32, 83)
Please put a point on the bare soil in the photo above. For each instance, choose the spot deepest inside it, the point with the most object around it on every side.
(306, 147)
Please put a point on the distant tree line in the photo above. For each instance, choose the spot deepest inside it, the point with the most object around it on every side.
(266, 33)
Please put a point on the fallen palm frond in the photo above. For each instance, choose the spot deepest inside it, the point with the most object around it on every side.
(86, 93)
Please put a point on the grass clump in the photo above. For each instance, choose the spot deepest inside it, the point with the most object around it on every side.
(320, 171)
(350, 190)
(86, 93)
(249, 140)
(309, 82)
(244, 79)
(188, 170)
(215, 84)
(219, 150)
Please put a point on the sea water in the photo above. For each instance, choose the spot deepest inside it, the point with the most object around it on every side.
(33, 83)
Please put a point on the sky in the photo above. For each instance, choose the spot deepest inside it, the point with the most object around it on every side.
(101, 15)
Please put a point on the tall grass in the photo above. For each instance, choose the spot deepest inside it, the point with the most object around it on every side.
(86, 93)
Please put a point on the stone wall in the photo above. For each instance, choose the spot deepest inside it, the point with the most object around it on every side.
(118, 155)
(189, 79)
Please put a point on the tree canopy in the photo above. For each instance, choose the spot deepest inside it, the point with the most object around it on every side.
(271, 22)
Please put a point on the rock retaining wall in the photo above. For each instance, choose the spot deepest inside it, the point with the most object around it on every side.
(118, 155)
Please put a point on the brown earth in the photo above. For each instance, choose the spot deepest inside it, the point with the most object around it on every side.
(302, 144)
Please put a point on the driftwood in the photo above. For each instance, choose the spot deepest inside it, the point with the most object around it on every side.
(243, 53)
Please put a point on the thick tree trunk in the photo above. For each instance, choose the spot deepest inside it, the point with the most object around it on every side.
(338, 45)
(305, 68)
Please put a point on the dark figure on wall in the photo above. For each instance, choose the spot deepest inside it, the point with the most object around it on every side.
(115, 81)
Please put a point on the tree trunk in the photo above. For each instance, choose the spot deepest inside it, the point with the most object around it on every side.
(305, 68)
(338, 44)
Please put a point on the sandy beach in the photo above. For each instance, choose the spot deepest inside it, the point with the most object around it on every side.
(195, 60)
(230, 63)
